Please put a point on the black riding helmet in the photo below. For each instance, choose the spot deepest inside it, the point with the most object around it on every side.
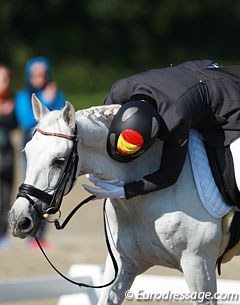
(133, 130)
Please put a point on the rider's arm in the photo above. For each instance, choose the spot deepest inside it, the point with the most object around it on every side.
(172, 161)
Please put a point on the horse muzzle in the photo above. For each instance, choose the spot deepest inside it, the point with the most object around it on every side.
(23, 219)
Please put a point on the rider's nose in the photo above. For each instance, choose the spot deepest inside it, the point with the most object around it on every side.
(24, 224)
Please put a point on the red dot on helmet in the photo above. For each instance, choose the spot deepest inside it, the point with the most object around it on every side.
(133, 137)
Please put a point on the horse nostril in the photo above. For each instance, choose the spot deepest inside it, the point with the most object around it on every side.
(24, 223)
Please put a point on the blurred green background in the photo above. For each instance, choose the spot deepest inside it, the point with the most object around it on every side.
(92, 43)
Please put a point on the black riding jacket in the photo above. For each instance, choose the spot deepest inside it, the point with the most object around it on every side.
(189, 95)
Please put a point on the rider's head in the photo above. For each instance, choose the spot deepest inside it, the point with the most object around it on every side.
(133, 131)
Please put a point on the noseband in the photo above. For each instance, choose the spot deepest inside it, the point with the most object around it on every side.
(54, 201)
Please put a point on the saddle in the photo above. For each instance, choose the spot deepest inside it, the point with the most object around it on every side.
(221, 164)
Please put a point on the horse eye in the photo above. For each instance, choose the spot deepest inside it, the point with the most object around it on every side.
(58, 161)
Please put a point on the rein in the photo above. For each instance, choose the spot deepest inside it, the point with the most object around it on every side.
(54, 202)
(60, 227)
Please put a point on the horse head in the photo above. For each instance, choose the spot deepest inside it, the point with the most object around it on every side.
(47, 157)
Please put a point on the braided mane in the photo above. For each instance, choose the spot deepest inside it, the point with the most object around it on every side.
(100, 113)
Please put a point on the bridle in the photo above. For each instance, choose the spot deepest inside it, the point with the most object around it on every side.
(54, 201)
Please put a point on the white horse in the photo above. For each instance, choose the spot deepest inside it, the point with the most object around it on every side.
(168, 227)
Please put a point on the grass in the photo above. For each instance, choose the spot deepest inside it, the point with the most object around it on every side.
(85, 100)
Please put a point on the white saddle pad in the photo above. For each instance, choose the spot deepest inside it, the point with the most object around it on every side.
(208, 191)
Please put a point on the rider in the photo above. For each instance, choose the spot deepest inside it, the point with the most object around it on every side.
(195, 94)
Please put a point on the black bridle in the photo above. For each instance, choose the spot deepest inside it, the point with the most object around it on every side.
(54, 202)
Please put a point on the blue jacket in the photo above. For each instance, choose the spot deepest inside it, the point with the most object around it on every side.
(24, 111)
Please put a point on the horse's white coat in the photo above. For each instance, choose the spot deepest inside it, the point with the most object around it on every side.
(168, 227)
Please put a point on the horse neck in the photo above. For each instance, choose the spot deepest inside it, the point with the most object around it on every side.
(92, 148)
(95, 160)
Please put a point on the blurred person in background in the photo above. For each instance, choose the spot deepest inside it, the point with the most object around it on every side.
(7, 124)
(39, 81)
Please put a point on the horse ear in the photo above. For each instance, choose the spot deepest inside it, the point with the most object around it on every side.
(69, 115)
(39, 110)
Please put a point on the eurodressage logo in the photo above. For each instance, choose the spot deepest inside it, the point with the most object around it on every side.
(141, 295)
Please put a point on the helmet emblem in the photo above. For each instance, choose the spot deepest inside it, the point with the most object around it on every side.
(129, 142)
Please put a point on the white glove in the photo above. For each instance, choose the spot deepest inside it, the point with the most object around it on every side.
(106, 188)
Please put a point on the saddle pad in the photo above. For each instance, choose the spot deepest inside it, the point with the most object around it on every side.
(208, 192)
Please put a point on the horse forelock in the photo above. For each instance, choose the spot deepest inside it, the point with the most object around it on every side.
(49, 119)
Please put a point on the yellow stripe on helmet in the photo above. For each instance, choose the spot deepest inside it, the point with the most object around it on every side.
(125, 147)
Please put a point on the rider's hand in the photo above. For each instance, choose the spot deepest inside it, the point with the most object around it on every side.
(105, 188)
